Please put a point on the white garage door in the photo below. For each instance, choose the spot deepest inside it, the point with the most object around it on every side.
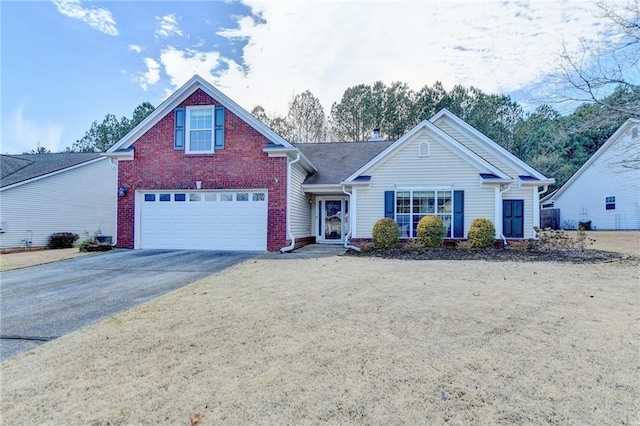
(203, 220)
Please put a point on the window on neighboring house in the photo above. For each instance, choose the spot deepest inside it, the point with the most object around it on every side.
(411, 206)
(610, 203)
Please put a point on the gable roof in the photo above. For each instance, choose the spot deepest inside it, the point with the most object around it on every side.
(336, 161)
(196, 82)
(486, 143)
(17, 169)
(471, 157)
(617, 135)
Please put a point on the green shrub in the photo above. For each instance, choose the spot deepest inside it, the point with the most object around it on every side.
(431, 231)
(386, 234)
(62, 240)
(482, 233)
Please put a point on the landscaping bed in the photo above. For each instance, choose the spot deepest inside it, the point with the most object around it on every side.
(497, 255)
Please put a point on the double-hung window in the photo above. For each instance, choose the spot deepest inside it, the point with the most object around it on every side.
(200, 130)
(411, 206)
(610, 203)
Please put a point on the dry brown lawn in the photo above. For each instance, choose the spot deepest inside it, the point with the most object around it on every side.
(23, 259)
(346, 340)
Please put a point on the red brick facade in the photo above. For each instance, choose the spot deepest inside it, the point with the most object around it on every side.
(240, 165)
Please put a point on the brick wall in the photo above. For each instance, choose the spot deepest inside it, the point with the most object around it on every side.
(240, 165)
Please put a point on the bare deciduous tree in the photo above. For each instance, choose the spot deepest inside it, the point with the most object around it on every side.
(606, 64)
(306, 118)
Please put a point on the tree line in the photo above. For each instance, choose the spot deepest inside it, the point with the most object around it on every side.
(554, 144)
(602, 79)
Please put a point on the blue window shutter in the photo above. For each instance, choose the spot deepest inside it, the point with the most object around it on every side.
(219, 128)
(178, 140)
(458, 214)
(389, 204)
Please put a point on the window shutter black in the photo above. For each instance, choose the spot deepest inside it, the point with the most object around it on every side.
(178, 131)
(219, 128)
(458, 214)
(389, 204)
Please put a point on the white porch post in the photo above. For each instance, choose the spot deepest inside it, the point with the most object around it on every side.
(498, 213)
(352, 213)
(536, 209)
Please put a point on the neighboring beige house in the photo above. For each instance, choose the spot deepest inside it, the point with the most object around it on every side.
(41, 194)
(606, 189)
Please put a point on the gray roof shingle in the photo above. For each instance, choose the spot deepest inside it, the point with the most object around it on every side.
(336, 161)
(19, 168)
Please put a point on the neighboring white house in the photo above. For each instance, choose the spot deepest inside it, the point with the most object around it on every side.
(606, 189)
(41, 194)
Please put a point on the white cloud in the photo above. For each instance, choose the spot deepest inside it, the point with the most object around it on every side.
(326, 47)
(135, 48)
(151, 76)
(168, 26)
(181, 65)
(96, 17)
(25, 134)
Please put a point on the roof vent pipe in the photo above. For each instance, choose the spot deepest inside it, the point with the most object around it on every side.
(376, 135)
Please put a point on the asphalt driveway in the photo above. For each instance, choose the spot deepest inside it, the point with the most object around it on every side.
(44, 302)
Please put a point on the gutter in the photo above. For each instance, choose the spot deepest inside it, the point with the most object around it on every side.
(289, 233)
(348, 236)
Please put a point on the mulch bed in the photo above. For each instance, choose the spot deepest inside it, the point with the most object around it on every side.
(499, 255)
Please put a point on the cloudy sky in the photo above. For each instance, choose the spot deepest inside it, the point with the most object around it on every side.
(66, 63)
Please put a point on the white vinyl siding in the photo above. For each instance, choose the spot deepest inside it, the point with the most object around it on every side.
(78, 200)
(526, 194)
(300, 208)
(480, 149)
(605, 177)
(442, 169)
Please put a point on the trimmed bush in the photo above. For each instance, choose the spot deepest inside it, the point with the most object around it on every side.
(386, 234)
(482, 233)
(62, 240)
(431, 231)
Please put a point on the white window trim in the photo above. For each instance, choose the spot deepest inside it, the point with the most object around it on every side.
(422, 152)
(411, 190)
(609, 202)
(187, 130)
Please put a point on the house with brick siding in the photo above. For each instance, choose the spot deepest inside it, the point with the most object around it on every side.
(200, 172)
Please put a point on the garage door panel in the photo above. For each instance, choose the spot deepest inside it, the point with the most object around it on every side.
(205, 224)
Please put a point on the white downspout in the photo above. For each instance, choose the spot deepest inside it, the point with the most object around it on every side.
(504, 239)
(289, 233)
(544, 189)
(348, 236)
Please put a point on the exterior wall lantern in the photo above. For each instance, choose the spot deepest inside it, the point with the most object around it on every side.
(122, 191)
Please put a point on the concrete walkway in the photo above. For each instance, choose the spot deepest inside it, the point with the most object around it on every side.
(310, 251)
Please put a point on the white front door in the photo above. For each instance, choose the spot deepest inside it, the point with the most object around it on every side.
(333, 223)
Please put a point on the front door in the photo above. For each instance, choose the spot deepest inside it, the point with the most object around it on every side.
(333, 223)
(513, 218)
